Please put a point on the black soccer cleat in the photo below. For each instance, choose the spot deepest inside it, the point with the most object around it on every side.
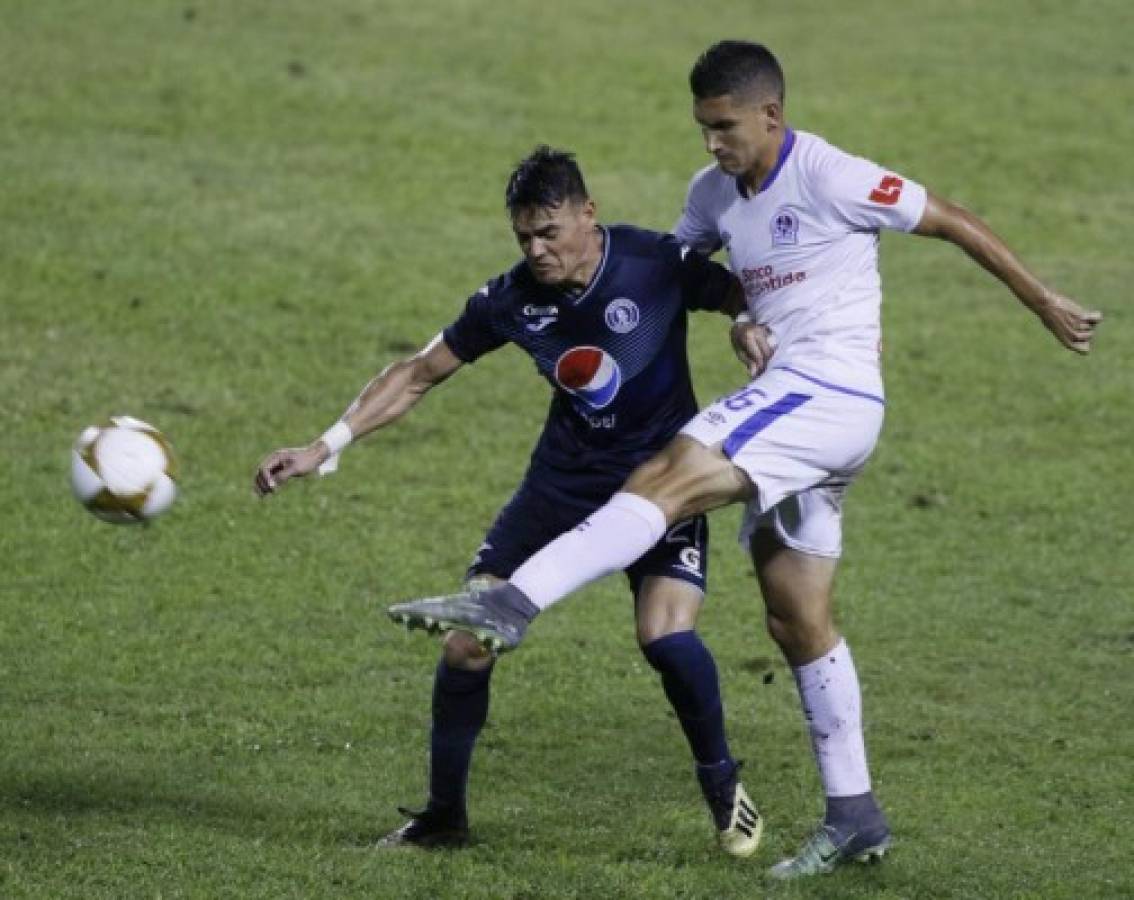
(429, 829)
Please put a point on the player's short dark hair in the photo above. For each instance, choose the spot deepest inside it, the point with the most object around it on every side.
(547, 178)
(740, 68)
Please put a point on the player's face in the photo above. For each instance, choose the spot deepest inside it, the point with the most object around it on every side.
(559, 242)
(741, 133)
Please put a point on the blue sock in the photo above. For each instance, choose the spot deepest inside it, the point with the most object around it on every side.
(689, 677)
(460, 709)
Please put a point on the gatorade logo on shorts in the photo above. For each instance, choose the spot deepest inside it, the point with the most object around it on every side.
(591, 374)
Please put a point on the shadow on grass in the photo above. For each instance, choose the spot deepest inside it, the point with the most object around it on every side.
(147, 799)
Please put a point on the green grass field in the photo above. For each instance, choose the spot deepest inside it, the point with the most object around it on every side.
(224, 217)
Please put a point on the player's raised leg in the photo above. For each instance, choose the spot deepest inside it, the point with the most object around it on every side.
(683, 480)
(797, 596)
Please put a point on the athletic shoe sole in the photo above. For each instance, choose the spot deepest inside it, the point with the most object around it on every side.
(411, 619)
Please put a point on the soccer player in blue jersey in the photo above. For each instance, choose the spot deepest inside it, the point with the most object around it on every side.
(800, 220)
(602, 312)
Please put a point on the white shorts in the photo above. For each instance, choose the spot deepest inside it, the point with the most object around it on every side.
(801, 441)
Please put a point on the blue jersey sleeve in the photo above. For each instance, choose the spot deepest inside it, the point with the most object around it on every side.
(475, 332)
(704, 283)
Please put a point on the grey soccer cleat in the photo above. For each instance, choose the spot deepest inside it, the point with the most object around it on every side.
(826, 849)
(497, 617)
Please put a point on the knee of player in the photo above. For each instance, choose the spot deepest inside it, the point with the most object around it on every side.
(801, 637)
(463, 651)
(786, 628)
(651, 631)
(662, 620)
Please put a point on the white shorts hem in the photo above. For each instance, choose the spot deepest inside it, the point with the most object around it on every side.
(747, 530)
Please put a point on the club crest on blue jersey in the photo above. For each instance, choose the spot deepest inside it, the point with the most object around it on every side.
(622, 315)
(591, 374)
(785, 227)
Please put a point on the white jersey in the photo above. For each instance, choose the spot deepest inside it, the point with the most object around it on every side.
(805, 247)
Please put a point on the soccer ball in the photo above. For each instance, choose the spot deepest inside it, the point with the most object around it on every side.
(124, 471)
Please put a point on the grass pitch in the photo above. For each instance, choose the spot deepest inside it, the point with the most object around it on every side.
(224, 217)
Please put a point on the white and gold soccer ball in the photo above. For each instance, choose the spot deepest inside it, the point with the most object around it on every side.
(124, 471)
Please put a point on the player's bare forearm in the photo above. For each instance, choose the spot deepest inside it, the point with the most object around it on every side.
(388, 396)
(1072, 325)
(397, 388)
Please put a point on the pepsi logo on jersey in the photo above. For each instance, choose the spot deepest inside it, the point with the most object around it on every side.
(590, 373)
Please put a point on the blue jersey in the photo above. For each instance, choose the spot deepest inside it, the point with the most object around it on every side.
(614, 353)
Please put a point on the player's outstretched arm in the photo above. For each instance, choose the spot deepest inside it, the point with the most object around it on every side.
(387, 397)
(1072, 325)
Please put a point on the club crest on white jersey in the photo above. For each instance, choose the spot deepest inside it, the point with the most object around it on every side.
(785, 227)
(591, 374)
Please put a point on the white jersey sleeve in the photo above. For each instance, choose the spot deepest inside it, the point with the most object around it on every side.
(866, 196)
(697, 227)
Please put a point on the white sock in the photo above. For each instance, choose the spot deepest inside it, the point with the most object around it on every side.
(613, 537)
(832, 704)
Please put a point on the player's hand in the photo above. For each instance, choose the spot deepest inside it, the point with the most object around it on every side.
(283, 465)
(753, 345)
(1073, 326)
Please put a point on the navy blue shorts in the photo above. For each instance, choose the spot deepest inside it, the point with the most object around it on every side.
(538, 513)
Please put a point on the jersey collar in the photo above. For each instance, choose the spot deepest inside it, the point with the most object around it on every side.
(578, 298)
(781, 158)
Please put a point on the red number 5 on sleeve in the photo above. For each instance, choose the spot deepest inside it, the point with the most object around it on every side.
(888, 191)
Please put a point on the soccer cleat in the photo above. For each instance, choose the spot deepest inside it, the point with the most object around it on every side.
(739, 825)
(497, 618)
(826, 849)
(428, 829)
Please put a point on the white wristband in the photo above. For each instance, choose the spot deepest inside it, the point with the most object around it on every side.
(742, 318)
(337, 438)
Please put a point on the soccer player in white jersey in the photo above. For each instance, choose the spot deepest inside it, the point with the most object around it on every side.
(799, 220)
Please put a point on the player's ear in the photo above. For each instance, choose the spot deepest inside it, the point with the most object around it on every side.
(589, 210)
(773, 112)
